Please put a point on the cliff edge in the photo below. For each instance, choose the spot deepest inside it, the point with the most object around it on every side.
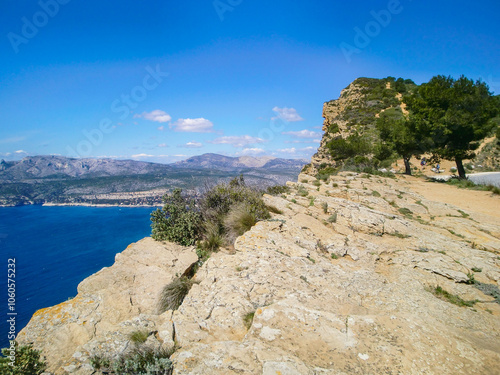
(353, 274)
(343, 281)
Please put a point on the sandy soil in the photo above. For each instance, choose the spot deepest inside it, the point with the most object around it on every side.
(471, 200)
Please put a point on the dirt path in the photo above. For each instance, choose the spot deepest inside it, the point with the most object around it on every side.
(472, 200)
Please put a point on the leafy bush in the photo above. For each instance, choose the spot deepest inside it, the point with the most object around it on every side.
(350, 147)
(178, 221)
(173, 294)
(278, 189)
(139, 361)
(26, 361)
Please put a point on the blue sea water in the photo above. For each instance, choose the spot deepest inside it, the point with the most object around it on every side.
(55, 248)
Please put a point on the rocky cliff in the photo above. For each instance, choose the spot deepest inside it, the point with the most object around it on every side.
(357, 274)
(343, 281)
(355, 112)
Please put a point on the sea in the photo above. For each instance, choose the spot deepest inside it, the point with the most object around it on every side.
(48, 251)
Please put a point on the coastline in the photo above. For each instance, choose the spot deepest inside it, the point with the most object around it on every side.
(51, 204)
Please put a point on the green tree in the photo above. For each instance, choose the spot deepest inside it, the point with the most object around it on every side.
(401, 136)
(454, 114)
(178, 221)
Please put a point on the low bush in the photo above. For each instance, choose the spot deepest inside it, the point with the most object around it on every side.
(205, 221)
(451, 298)
(301, 190)
(178, 221)
(278, 189)
(26, 361)
(141, 360)
(139, 336)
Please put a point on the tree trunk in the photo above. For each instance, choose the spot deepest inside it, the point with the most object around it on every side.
(407, 166)
(460, 168)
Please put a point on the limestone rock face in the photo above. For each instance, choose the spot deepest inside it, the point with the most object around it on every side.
(341, 282)
(110, 305)
(355, 110)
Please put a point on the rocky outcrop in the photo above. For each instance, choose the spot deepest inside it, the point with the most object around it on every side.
(110, 305)
(341, 282)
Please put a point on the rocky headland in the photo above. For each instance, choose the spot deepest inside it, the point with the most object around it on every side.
(343, 281)
(353, 274)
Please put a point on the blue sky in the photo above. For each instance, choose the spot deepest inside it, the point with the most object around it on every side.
(164, 80)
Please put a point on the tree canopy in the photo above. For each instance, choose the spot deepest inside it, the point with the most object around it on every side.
(454, 114)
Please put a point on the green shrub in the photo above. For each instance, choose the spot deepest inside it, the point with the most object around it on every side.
(405, 211)
(325, 172)
(219, 200)
(139, 336)
(375, 193)
(333, 218)
(324, 206)
(26, 361)
(451, 298)
(278, 189)
(317, 183)
(99, 362)
(178, 221)
(173, 294)
(301, 190)
(239, 220)
(144, 361)
(311, 201)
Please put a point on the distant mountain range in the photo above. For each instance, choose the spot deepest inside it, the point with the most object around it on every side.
(242, 162)
(61, 180)
(62, 167)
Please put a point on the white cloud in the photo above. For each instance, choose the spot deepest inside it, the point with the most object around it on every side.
(161, 128)
(157, 115)
(303, 134)
(192, 145)
(162, 145)
(140, 156)
(252, 151)
(292, 150)
(20, 152)
(193, 125)
(287, 114)
(237, 141)
(305, 152)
